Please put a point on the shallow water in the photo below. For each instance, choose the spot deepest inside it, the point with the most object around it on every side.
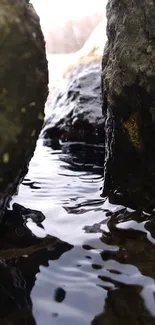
(102, 271)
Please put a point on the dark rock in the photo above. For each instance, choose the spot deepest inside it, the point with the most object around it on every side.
(23, 92)
(16, 239)
(128, 301)
(22, 214)
(129, 101)
(21, 255)
(76, 109)
(124, 305)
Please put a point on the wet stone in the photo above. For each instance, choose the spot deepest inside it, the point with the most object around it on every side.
(76, 113)
(23, 92)
(128, 83)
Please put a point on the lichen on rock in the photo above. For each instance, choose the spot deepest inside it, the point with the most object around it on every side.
(132, 128)
(128, 81)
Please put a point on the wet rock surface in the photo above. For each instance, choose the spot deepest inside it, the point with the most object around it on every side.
(129, 97)
(23, 92)
(21, 255)
(76, 113)
(125, 303)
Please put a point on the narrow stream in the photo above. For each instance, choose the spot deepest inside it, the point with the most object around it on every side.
(103, 270)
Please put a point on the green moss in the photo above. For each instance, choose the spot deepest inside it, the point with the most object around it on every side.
(8, 130)
(23, 110)
(4, 91)
(117, 91)
(6, 158)
(131, 125)
(40, 117)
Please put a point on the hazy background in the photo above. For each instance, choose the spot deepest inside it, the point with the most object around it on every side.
(67, 24)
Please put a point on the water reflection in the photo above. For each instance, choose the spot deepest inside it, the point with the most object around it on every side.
(108, 277)
(131, 269)
(79, 155)
(21, 254)
(124, 306)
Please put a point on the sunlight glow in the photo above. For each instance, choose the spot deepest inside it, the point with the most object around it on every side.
(54, 13)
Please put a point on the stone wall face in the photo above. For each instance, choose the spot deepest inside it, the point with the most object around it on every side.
(128, 83)
(23, 92)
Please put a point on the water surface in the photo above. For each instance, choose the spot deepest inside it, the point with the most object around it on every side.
(99, 266)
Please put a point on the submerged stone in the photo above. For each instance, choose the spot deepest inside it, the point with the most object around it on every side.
(23, 92)
(128, 81)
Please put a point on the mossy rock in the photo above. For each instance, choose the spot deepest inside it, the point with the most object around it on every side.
(23, 92)
(128, 88)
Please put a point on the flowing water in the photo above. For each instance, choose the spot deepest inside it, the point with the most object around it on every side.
(70, 257)
(102, 270)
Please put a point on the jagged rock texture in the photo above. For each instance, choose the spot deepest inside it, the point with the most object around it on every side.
(23, 92)
(128, 83)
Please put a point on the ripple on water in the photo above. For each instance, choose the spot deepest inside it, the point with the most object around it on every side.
(107, 276)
